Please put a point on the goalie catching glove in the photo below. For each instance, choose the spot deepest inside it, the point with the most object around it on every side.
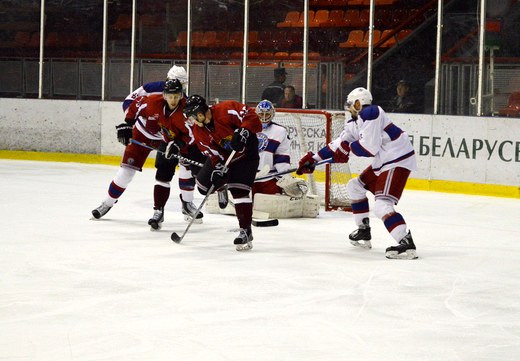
(124, 133)
(293, 187)
(239, 140)
(173, 148)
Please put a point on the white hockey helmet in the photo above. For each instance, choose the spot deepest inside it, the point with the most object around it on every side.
(361, 94)
(265, 111)
(178, 72)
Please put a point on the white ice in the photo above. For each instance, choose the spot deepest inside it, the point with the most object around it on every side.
(72, 288)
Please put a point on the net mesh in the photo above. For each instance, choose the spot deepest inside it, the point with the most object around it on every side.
(311, 130)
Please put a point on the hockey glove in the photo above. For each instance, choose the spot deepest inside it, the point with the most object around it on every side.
(239, 140)
(173, 148)
(306, 164)
(124, 133)
(217, 176)
(341, 154)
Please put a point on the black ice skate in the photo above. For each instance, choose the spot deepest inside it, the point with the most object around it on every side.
(157, 219)
(362, 234)
(405, 249)
(244, 240)
(101, 210)
(223, 199)
(189, 209)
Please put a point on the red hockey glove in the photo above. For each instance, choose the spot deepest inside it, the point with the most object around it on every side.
(341, 154)
(306, 164)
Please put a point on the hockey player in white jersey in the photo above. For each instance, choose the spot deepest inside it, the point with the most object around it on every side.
(370, 133)
(157, 87)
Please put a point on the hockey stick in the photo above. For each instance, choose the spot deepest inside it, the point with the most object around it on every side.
(324, 161)
(179, 157)
(175, 237)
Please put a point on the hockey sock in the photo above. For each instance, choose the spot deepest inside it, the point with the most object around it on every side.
(396, 226)
(161, 193)
(360, 209)
(244, 211)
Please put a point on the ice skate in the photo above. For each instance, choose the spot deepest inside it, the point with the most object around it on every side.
(223, 199)
(244, 240)
(405, 249)
(189, 209)
(361, 237)
(157, 219)
(101, 210)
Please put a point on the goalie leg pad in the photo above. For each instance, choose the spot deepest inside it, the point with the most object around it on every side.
(311, 206)
(278, 206)
(212, 206)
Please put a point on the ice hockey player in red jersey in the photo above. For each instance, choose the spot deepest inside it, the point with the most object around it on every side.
(219, 130)
(151, 120)
(370, 133)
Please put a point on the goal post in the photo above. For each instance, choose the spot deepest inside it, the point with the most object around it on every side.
(311, 130)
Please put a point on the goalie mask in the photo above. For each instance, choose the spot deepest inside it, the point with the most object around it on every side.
(265, 111)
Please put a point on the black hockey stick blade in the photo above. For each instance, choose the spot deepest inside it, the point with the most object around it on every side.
(176, 238)
(265, 222)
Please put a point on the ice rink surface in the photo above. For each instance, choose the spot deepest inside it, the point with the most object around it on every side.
(76, 289)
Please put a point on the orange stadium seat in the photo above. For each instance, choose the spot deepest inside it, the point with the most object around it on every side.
(351, 16)
(354, 40)
(336, 19)
(197, 38)
(291, 19)
(222, 39)
(236, 39)
(390, 41)
(320, 17)
(376, 35)
(300, 22)
(209, 39)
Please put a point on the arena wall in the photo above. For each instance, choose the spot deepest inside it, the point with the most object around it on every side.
(477, 155)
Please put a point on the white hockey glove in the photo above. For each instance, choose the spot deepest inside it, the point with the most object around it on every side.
(293, 187)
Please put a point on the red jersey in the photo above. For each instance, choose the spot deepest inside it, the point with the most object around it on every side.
(214, 139)
(155, 120)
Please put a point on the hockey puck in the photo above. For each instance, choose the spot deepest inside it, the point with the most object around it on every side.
(175, 237)
(264, 223)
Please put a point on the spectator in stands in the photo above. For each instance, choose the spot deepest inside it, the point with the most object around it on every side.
(274, 91)
(290, 99)
(403, 102)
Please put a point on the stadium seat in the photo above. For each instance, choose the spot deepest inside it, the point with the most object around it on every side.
(376, 35)
(351, 16)
(222, 39)
(300, 22)
(281, 55)
(291, 18)
(181, 41)
(513, 106)
(390, 41)
(320, 17)
(336, 19)
(197, 39)
(209, 39)
(354, 40)
(236, 39)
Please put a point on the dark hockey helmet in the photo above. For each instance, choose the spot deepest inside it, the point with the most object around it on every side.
(172, 86)
(194, 105)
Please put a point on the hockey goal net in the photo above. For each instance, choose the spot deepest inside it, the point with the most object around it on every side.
(311, 130)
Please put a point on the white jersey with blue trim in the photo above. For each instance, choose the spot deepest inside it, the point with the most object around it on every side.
(372, 134)
(155, 87)
(274, 148)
